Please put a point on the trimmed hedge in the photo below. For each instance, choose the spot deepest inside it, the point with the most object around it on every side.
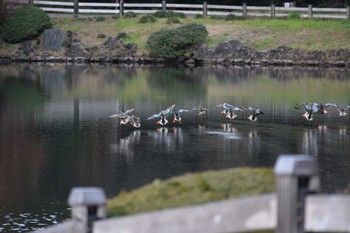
(172, 43)
(25, 23)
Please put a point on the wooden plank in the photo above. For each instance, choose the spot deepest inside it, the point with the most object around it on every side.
(138, 5)
(190, 6)
(53, 3)
(238, 215)
(98, 4)
(302, 9)
(258, 8)
(223, 7)
(98, 11)
(222, 13)
(57, 9)
(328, 16)
(259, 14)
(335, 10)
(141, 11)
(327, 213)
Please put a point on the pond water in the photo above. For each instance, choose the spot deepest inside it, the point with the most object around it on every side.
(56, 133)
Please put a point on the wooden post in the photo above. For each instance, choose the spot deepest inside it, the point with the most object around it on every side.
(163, 5)
(296, 176)
(273, 11)
(88, 204)
(348, 12)
(205, 9)
(121, 8)
(244, 10)
(310, 11)
(76, 8)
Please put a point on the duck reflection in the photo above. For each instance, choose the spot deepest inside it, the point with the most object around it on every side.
(310, 142)
(171, 138)
(125, 146)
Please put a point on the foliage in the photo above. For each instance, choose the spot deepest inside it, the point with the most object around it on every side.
(100, 18)
(122, 35)
(129, 15)
(173, 20)
(230, 17)
(294, 15)
(172, 43)
(198, 16)
(193, 189)
(147, 19)
(3, 13)
(217, 17)
(25, 23)
(168, 14)
(101, 36)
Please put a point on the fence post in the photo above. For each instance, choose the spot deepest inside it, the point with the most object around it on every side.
(310, 11)
(121, 7)
(205, 9)
(244, 10)
(163, 5)
(88, 204)
(348, 12)
(296, 176)
(273, 12)
(76, 8)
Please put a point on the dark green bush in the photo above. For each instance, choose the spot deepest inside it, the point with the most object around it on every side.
(168, 14)
(198, 16)
(129, 15)
(147, 19)
(3, 13)
(25, 23)
(173, 20)
(100, 18)
(230, 17)
(294, 15)
(172, 43)
(122, 35)
(217, 17)
(101, 36)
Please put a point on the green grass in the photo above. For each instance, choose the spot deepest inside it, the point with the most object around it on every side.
(261, 34)
(192, 189)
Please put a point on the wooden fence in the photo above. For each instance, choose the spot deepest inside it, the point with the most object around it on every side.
(81, 9)
(295, 207)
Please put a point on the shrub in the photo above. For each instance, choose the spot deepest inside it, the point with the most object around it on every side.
(3, 13)
(100, 18)
(172, 43)
(129, 15)
(294, 15)
(25, 23)
(217, 17)
(173, 20)
(168, 14)
(115, 16)
(122, 35)
(198, 16)
(230, 17)
(147, 19)
(101, 36)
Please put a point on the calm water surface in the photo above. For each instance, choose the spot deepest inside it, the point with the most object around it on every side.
(55, 132)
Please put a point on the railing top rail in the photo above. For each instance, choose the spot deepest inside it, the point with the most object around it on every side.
(54, 3)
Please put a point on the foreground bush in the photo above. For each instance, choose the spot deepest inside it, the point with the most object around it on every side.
(172, 43)
(193, 189)
(147, 19)
(168, 14)
(25, 23)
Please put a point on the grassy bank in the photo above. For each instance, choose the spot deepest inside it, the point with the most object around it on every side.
(193, 189)
(261, 34)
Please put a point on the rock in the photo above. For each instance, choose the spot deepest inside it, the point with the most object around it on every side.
(53, 39)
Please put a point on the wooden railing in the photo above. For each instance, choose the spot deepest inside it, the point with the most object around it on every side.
(80, 9)
(295, 207)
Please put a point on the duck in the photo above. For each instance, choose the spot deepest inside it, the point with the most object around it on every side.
(201, 110)
(231, 112)
(225, 107)
(321, 108)
(342, 110)
(254, 112)
(309, 109)
(177, 116)
(135, 121)
(162, 115)
(124, 117)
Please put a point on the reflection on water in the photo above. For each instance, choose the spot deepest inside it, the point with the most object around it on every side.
(56, 132)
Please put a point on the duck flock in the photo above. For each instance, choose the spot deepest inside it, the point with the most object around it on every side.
(229, 110)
